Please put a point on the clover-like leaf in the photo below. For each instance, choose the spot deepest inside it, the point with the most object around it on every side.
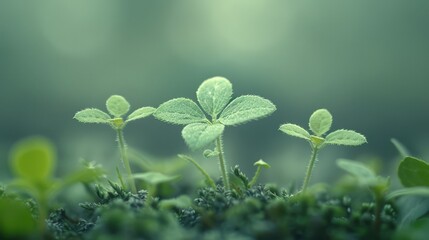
(364, 174)
(180, 111)
(345, 137)
(141, 113)
(413, 172)
(33, 159)
(92, 115)
(198, 135)
(246, 108)
(214, 94)
(320, 122)
(295, 130)
(117, 105)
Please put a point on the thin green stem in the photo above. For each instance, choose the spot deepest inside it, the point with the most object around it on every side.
(255, 178)
(198, 166)
(222, 163)
(124, 156)
(310, 169)
(378, 209)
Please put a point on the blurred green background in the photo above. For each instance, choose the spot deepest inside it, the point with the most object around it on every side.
(365, 61)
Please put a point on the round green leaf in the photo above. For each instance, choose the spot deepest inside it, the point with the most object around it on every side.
(15, 219)
(141, 113)
(246, 108)
(295, 130)
(33, 159)
(117, 105)
(198, 135)
(214, 94)
(320, 122)
(92, 115)
(180, 111)
(345, 137)
(413, 172)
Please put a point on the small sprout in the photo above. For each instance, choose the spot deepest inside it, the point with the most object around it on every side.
(259, 164)
(376, 184)
(117, 106)
(32, 161)
(320, 123)
(214, 96)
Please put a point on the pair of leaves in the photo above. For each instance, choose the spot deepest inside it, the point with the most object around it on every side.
(214, 96)
(117, 106)
(320, 122)
(33, 160)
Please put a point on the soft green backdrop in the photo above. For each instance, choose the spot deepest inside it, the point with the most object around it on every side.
(366, 61)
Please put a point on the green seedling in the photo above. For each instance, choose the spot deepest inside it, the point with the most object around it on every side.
(32, 161)
(117, 106)
(320, 122)
(243, 179)
(376, 184)
(214, 96)
(259, 164)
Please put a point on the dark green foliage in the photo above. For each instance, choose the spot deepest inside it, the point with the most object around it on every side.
(261, 213)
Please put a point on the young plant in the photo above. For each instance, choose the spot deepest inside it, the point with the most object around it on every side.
(117, 106)
(376, 184)
(214, 96)
(32, 161)
(320, 122)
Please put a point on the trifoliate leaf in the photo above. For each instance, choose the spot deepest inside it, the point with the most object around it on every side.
(320, 122)
(33, 159)
(214, 94)
(295, 130)
(246, 108)
(92, 115)
(413, 172)
(364, 174)
(180, 111)
(198, 135)
(141, 113)
(345, 137)
(117, 105)
(155, 178)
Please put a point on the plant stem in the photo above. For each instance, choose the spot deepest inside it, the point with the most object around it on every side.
(255, 178)
(209, 180)
(309, 169)
(378, 209)
(124, 156)
(222, 163)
